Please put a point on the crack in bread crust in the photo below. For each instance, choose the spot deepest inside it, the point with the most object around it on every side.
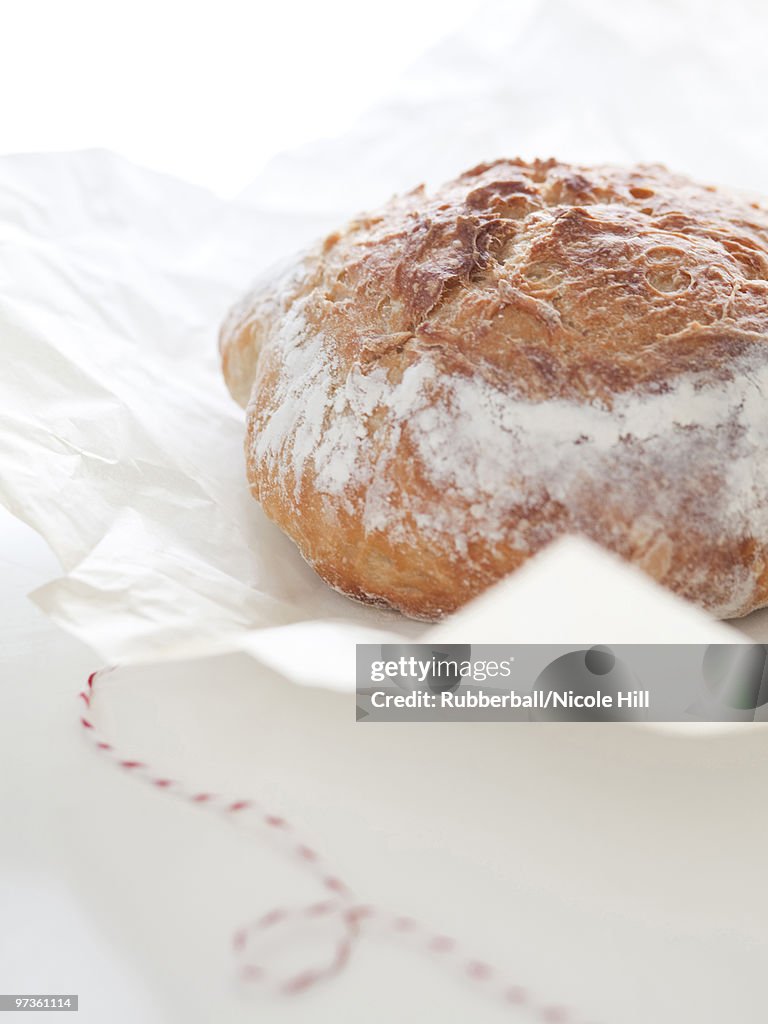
(443, 387)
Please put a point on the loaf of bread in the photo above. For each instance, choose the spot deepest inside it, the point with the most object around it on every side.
(444, 386)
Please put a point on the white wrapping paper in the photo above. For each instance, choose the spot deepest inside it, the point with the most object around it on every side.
(119, 442)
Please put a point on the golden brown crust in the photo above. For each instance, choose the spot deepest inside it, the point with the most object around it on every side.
(442, 388)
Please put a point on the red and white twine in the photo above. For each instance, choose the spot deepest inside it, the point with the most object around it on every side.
(340, 904)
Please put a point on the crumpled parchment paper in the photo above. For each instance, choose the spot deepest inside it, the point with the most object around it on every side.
(120, 444)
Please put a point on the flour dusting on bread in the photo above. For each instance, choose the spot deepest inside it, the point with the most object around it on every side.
(448, 385)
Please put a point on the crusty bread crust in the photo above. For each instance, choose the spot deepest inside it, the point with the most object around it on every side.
(443, 387)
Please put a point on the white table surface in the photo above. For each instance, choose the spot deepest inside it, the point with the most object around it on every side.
(616, 869)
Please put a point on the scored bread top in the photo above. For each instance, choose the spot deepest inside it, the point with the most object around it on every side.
(606, 279)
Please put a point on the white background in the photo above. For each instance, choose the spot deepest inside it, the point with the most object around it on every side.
(206, 91)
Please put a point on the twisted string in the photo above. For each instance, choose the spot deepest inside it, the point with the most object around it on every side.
(340, 905)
